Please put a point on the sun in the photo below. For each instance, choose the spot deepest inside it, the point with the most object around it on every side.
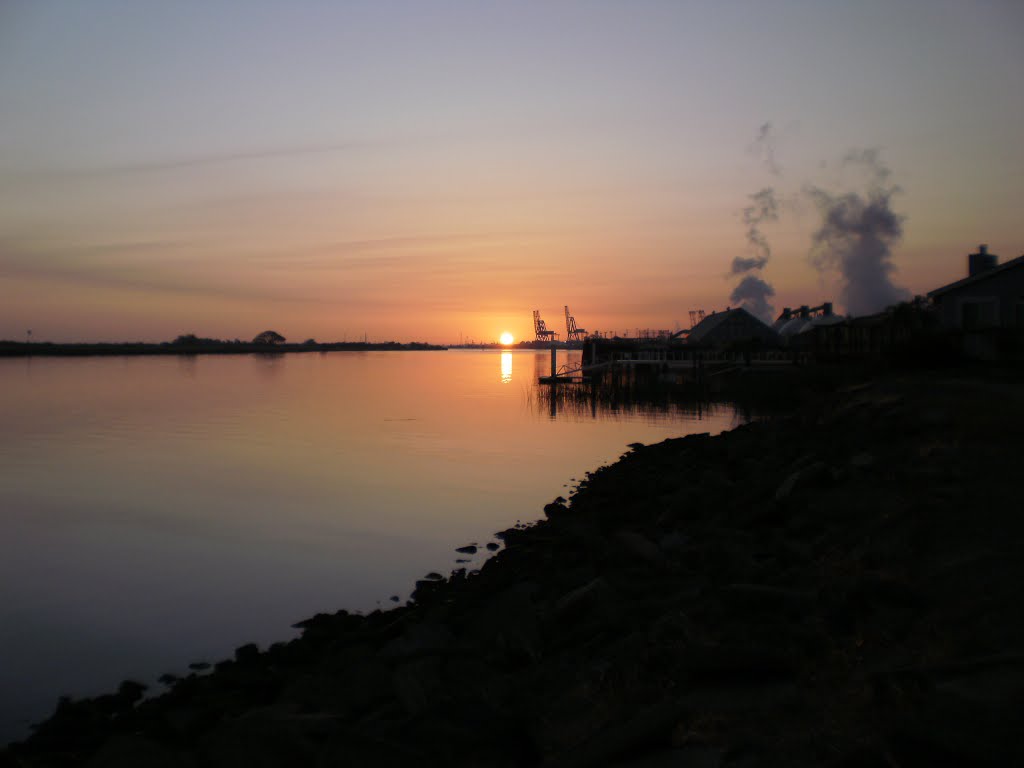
(506, 338)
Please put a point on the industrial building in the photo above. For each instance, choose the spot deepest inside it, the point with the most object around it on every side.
(733, 326)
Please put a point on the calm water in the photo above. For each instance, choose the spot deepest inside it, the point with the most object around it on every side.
(158, 511)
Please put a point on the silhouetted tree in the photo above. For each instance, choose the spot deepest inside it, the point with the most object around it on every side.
(269, 337)
(191, 340)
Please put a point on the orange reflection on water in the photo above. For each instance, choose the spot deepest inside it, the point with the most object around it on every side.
(506, 367)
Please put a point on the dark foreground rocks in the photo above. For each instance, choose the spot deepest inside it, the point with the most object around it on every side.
(842, 587)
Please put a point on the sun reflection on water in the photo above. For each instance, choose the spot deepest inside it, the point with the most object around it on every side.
(506, 367)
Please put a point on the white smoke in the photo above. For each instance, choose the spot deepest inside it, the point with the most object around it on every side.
(752, 292)
(856, 236)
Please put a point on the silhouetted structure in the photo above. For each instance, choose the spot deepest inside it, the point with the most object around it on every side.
(866, 337)
(805, 319)
(572, 333)
(720, 329)
(541, 329)
(991, 296)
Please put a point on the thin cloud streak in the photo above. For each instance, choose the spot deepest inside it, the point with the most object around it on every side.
(231, 157)
(200, 161)
(40, 267)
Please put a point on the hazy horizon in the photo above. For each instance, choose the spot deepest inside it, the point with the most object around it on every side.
(419, 172)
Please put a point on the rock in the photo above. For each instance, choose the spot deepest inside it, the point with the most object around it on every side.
(641, 547)
(800, 477)
(801, 462)
(738, 666)
(761, 597)
(417, 684)
(643, 728)
(556, 509)
(469, 549)
(418, 639)
(862, 460)
(508, 623)
(672, 630)
(675, 542)
(935, 417)
(345, 748)
(493, 546)
(199, 666)
(594, 596)
(679, 757)
(424, 589)
(247, 654)
(787, 486)
(434, 576)
(257, 739)
(131, 751)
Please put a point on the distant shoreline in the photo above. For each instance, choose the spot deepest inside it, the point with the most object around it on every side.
(49, 349)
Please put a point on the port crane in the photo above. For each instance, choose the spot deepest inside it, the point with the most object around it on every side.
(572, 333)
(541, 330)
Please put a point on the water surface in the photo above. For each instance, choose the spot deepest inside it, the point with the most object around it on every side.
(160, 510)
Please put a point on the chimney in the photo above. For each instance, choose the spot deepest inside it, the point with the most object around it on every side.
(826, 309)
(982, 261)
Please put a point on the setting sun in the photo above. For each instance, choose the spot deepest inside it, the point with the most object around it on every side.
(506, 338)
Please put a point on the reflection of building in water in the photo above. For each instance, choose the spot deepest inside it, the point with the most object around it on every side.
(506, 367)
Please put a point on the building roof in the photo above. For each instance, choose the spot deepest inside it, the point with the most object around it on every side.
(707, 326)
(1006, 265)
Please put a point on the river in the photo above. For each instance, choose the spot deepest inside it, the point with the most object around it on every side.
(156, 511)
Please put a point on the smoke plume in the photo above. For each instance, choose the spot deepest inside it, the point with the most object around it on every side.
(752, 292)
(764, 147)
(856, 236)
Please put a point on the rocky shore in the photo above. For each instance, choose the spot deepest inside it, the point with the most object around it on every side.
(839, 587)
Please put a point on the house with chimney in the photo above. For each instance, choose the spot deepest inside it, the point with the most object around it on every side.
(990, 297)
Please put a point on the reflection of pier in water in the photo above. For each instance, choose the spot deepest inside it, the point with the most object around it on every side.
(626, 392)
(693, 363)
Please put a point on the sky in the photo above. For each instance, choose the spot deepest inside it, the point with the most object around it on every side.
(430, 171)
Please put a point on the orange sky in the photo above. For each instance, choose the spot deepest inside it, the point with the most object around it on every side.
(330, 171)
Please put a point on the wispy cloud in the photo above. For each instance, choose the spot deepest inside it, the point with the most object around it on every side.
(187, 162)
(223, 158)
(442, 252)
(77, 267)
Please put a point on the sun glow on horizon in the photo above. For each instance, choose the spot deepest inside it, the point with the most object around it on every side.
(506, 338)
